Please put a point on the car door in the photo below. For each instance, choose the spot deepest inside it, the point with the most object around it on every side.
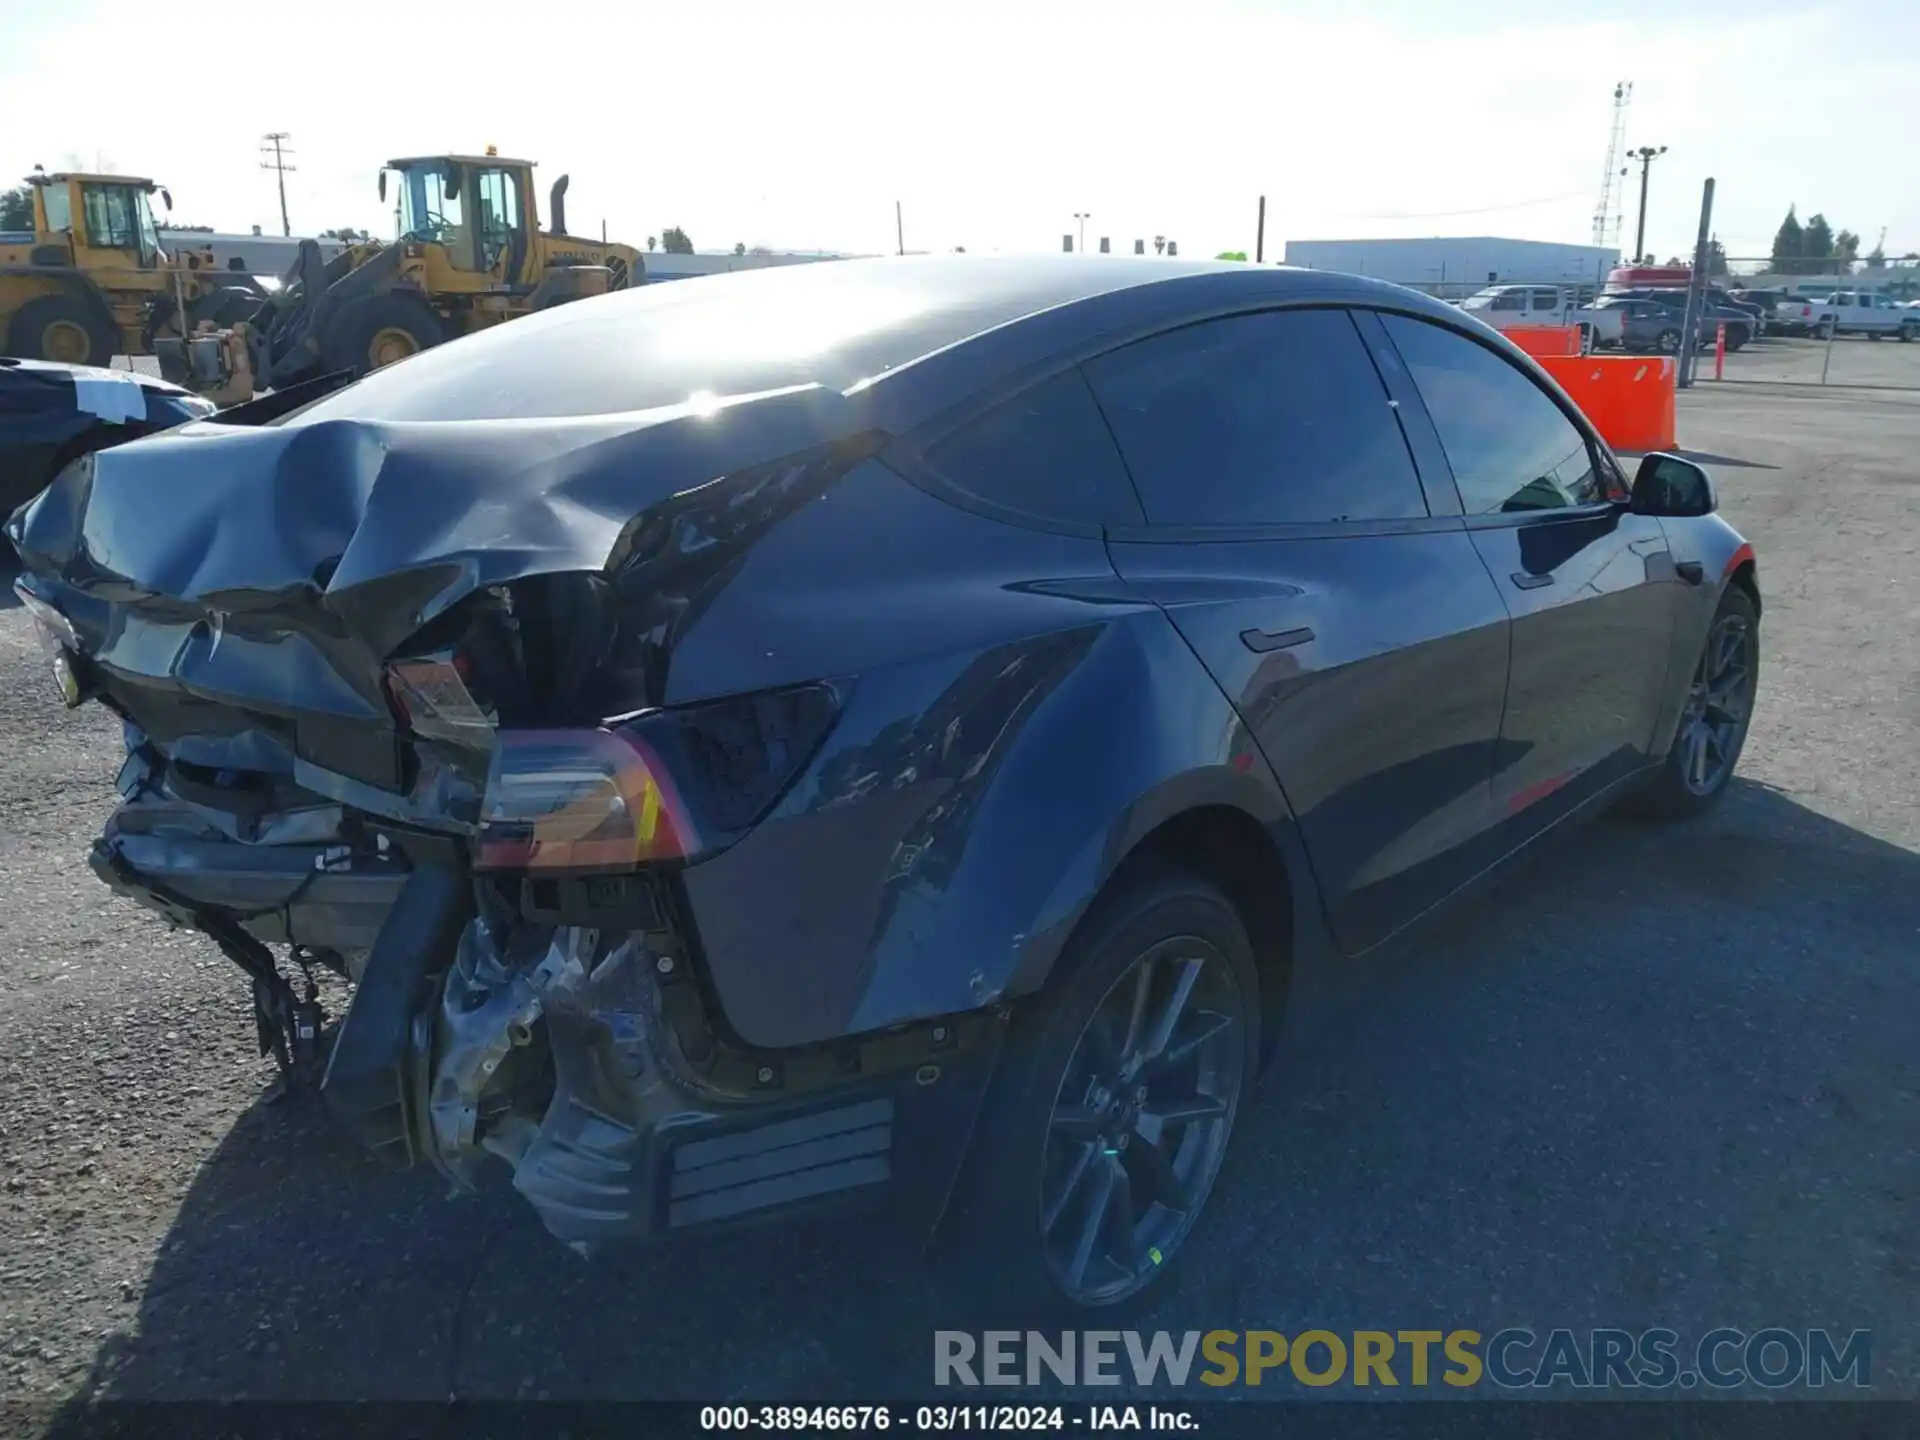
(1289, 539)
(1591, 587)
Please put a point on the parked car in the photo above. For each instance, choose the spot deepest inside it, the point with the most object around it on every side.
(1772, 305)
(1797, 315)
(879, 731)
(1740, 323)
(1646, 325)
(1858, 312)
(51, 414)
(1507, 307)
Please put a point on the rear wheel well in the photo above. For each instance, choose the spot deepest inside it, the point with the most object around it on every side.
(1234, 852)
(1746, 578)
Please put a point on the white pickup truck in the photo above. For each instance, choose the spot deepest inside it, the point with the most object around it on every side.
(1507, 307)
(1856, 312)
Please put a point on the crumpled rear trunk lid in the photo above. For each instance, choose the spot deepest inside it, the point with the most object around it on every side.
(236, 593)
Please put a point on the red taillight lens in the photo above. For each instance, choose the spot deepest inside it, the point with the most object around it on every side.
(580, 800)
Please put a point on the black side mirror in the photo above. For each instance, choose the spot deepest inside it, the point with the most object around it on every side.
(167, 197)
(383, 186)
(450, 185)
(1667, 485)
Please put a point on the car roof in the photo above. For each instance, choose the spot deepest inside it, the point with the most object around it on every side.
(843, 324)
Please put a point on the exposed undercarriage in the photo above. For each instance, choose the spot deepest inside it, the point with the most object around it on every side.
(555, 1025)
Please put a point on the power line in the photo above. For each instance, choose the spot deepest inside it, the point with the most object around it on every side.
(274, 157)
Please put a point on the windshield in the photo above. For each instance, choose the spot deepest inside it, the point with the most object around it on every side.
(427, 212)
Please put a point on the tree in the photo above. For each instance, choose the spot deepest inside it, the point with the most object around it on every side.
(1876, 259)
(1816, 246)
(1231, 255)
(1789, 243)
(739, 247)
(1846, 247)
(652, 240)
(16, 208)
(1716, 258)
(674, 241)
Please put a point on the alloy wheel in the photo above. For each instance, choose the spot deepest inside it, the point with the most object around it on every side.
(1719, 705)
(1141, 1120)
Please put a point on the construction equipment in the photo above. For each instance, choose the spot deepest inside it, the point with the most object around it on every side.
(91, 281)
(469, 254)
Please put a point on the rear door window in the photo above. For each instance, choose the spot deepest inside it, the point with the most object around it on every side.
(1046, 452)
(1510, 300)
(1273, 418)
(1511, 447)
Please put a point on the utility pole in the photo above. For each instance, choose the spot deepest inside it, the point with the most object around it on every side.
(1083, 216)
(899, 230)
(1646, 155)
(1697, 289)
(1260, 234)
(274, 157)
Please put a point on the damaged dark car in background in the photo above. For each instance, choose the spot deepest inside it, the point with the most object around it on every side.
(52, 413)
(873, 732)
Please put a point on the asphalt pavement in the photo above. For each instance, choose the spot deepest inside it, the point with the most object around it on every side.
(1653, 1077)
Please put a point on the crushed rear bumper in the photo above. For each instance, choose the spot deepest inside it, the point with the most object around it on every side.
(587, 1060)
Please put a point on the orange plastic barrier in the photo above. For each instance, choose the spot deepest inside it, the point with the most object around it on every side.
(1629, 399)
(1539, 340)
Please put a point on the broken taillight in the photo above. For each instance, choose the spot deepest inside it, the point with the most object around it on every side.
(435, 703)
(580, 800)
(665, 785)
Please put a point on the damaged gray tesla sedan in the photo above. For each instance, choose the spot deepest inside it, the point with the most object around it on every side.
(873, 731)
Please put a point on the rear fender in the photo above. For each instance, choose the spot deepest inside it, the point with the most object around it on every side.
(958, 824)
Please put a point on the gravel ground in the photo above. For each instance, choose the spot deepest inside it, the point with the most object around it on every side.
(1652, 1078)
(1855, 360)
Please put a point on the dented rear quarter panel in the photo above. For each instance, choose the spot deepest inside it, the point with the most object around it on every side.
(1015, 721)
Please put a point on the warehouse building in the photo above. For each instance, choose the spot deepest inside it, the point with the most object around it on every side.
(1452, 266)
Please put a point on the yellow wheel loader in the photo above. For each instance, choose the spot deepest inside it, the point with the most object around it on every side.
(470, 254)
(90, 281)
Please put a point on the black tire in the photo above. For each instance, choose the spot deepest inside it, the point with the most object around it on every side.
(1677, 791)
(65, 328)
(1667, 342)
(1873, 334)
(1737, 337)
(1907, 331)
(1056, 1130)
(393, 325)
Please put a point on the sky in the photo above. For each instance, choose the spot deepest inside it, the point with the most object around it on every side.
(799, 125)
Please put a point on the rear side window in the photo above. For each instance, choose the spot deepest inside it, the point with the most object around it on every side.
(1546, 299)
(1046, 452)
(1274, 418)
(1510, 300)
(1511, 447)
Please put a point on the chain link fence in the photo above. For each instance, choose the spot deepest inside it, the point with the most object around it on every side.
(1851, 322)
